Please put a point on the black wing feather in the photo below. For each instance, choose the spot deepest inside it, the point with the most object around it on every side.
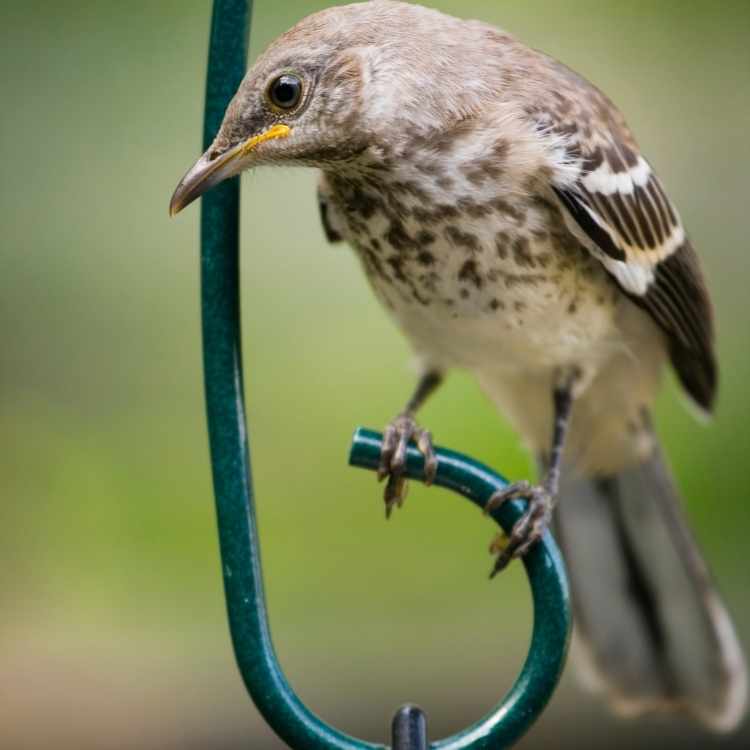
(331, 234)
(678, 301)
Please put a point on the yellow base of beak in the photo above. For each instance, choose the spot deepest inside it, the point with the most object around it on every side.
(207, 172)
(277, 131)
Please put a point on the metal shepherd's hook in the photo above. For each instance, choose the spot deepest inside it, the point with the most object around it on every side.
(275, 699)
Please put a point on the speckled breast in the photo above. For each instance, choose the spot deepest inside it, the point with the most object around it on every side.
(464, 270)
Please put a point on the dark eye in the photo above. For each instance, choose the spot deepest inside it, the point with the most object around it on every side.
(285, 91)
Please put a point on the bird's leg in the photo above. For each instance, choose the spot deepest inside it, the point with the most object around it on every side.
(396, 439)
(541, 497)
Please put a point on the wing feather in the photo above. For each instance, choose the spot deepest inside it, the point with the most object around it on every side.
(327, 218)
(621, 206)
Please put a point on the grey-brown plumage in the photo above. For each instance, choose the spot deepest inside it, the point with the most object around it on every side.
(505, 217)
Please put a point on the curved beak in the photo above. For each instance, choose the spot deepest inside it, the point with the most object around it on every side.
(207, 171)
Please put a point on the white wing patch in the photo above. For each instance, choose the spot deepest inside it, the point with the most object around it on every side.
(636, 279)
(606, 181)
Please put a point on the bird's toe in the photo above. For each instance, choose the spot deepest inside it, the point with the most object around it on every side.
(528, 529)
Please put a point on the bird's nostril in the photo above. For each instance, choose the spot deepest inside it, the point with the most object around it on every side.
(213, 154)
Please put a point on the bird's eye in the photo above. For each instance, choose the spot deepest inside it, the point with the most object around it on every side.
(285, 91)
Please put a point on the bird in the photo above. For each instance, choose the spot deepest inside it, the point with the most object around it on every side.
(505, 217)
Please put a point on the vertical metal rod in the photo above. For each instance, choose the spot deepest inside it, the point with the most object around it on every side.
(225, 405)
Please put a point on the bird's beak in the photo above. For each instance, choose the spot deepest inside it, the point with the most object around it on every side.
(207, 171)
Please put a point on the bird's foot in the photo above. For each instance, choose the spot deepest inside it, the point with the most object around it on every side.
(528, 529)
(393, 458)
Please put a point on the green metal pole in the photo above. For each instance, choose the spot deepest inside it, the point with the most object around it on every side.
(233, 489)
(222, 363)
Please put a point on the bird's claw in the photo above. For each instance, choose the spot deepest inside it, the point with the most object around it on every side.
(393, 458)
(528, 529)
(511, 492)
(396, 489)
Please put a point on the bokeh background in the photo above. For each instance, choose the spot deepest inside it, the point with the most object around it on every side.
(113, 631)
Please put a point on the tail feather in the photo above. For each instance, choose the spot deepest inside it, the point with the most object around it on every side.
(650, 623)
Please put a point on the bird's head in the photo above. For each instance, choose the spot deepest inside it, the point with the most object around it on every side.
(343, 84)
(300, 104)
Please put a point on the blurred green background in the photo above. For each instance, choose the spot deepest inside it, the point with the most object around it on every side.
(113, 631)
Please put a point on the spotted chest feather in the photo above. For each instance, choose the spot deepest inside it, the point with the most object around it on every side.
(463, 260)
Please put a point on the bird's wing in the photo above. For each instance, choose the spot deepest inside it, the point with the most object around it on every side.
(327, 217)
(635, 231)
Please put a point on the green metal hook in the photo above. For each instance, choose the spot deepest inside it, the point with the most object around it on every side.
(549, 641)
(233, 487)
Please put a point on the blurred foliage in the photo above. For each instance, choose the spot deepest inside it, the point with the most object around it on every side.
(113, 618)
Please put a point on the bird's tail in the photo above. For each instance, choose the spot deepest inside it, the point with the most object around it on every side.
(652, 631)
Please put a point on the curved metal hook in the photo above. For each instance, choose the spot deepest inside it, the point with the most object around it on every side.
(276, 701)
(549, 587)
